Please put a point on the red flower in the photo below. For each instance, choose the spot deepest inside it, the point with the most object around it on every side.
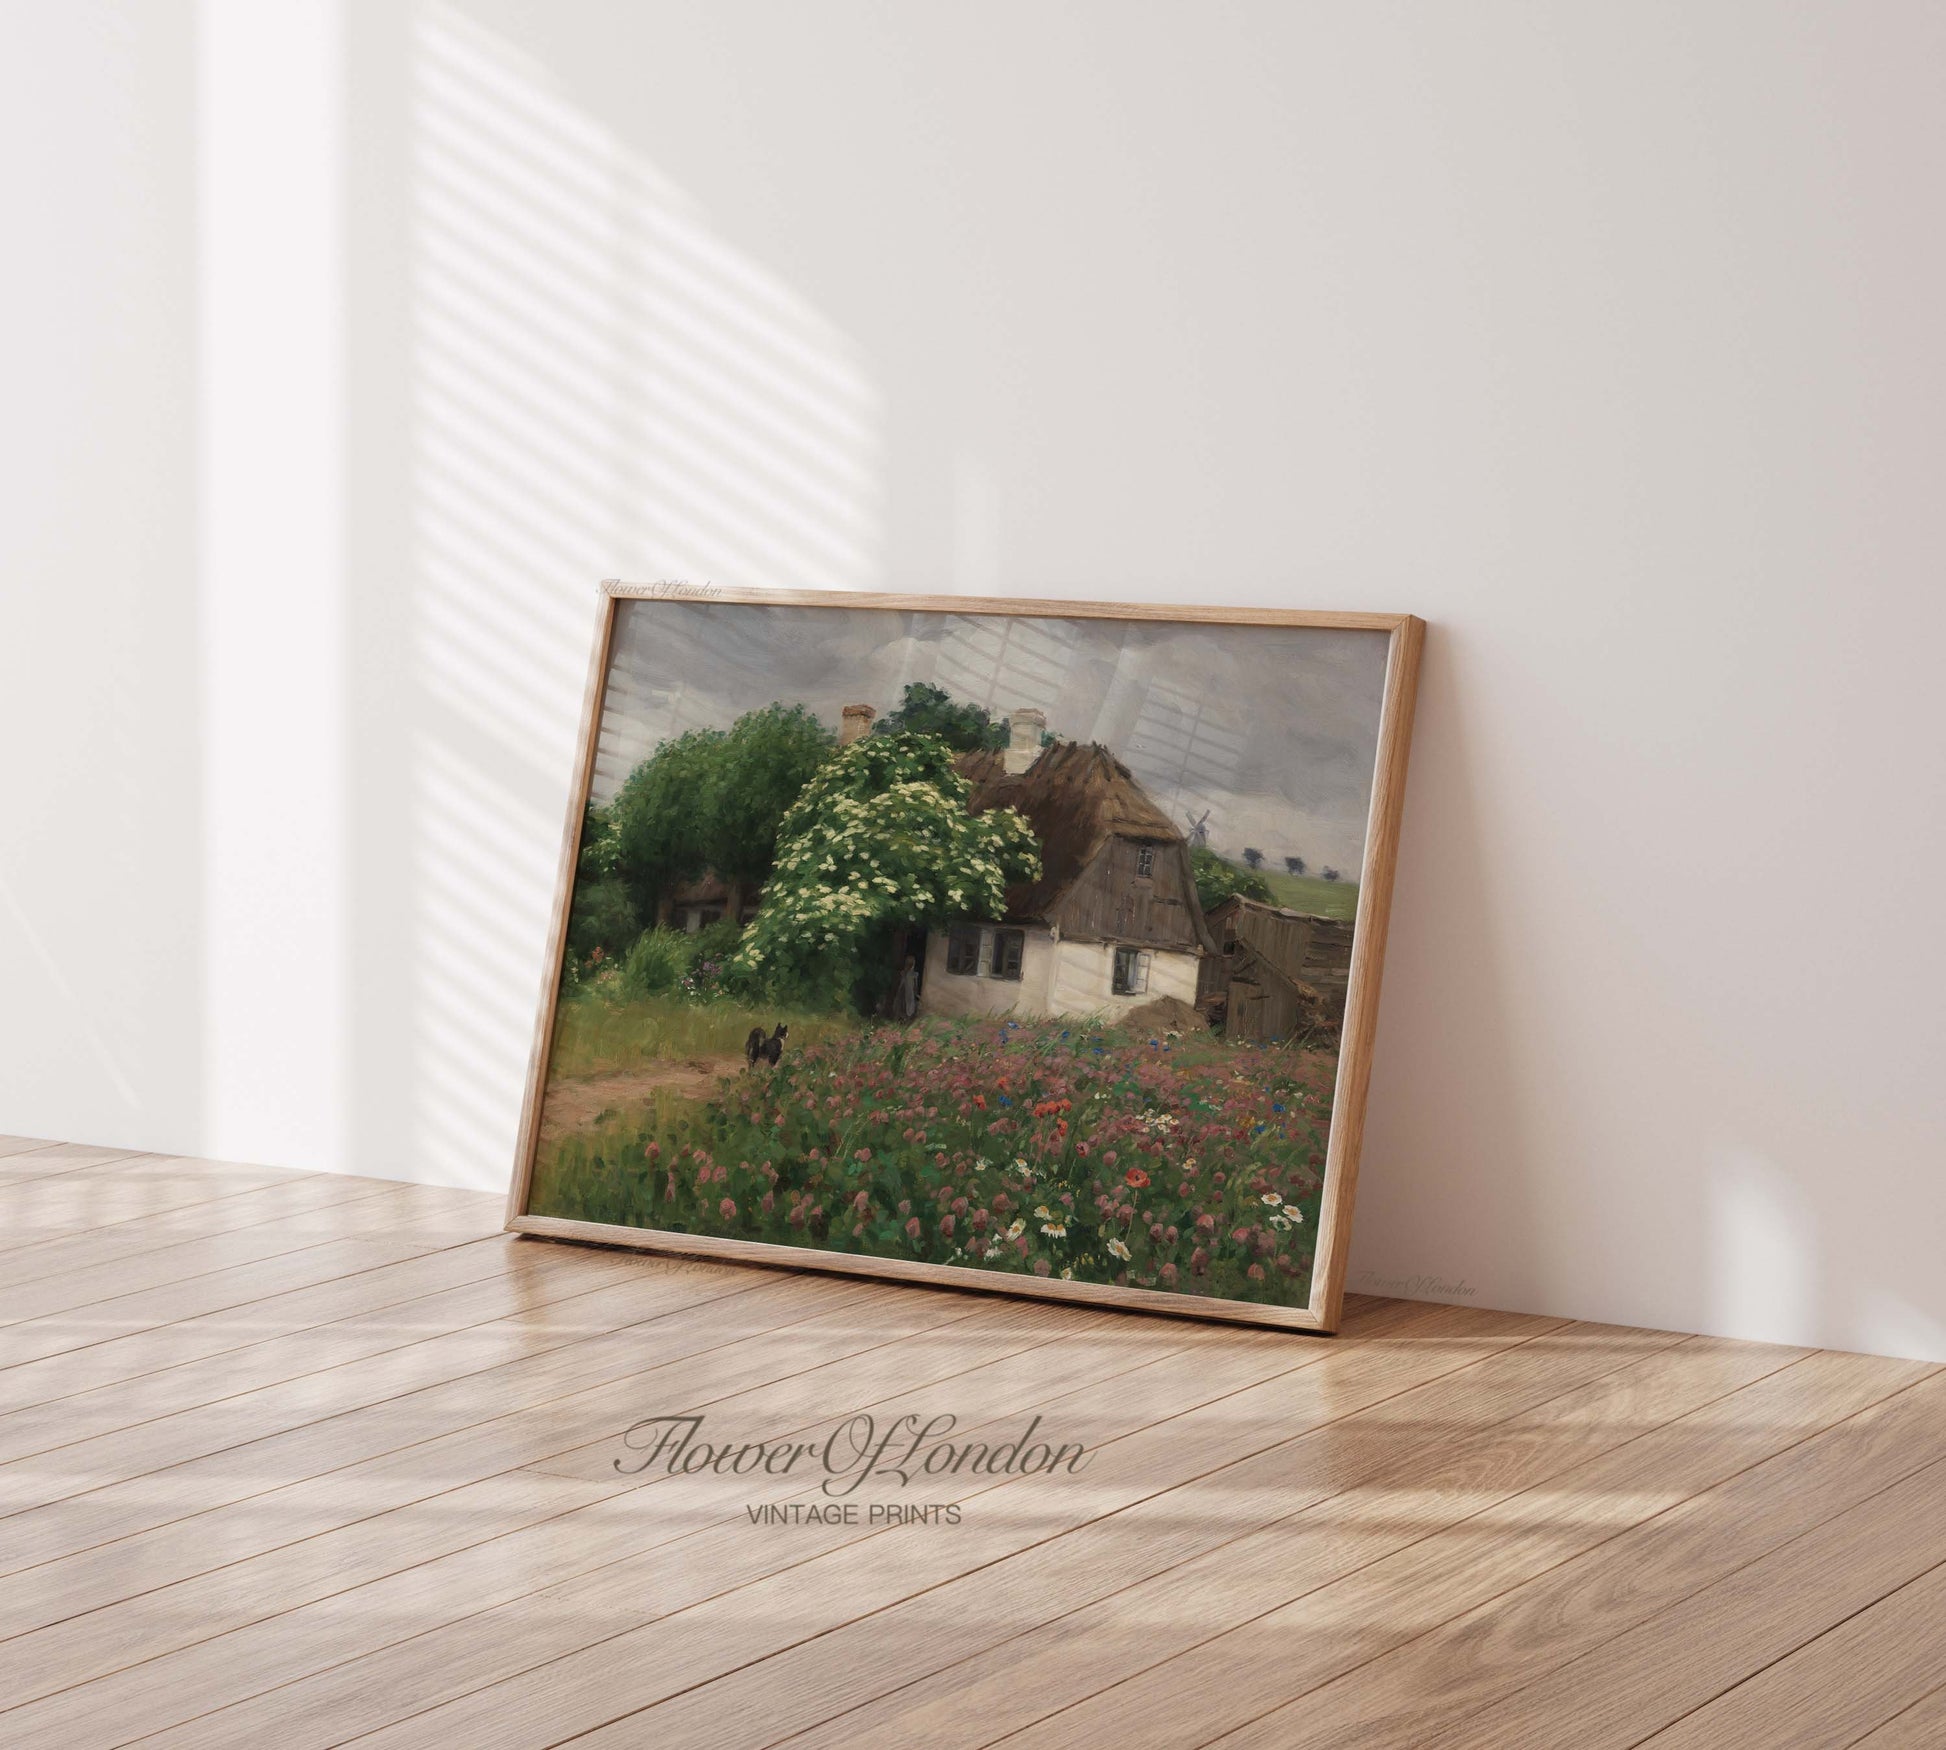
(1136, 1177)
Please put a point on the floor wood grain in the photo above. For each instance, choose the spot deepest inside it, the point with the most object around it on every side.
(310, 1460)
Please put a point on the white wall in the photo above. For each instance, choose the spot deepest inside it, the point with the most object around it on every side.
(347, 346)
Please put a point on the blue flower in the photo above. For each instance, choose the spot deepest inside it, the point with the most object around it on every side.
(1275, 1107)
(1005, 1101)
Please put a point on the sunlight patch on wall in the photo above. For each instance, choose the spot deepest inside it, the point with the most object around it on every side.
(602, 385)
(1762, 1271)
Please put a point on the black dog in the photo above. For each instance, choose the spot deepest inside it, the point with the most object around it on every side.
(757, 1049)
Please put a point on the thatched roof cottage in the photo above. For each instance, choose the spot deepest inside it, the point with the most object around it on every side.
(1113, 921)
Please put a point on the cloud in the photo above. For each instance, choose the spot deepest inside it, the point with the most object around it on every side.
(1271, 729)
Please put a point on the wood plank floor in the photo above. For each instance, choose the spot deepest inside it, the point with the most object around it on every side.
(308, 1460)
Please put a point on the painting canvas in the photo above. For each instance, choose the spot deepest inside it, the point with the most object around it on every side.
(1013, 945)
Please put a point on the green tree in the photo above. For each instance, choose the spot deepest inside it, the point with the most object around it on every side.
(879, 838)
(659, 819)
(712, 799)
(929, 710)
(602, 920)
(1217, 878)
(759, 769)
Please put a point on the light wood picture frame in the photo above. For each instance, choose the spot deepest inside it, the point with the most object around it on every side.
(937, 867)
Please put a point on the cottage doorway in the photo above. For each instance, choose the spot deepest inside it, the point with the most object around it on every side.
(909, 987)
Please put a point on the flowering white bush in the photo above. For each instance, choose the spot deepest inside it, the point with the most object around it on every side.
(880, 836)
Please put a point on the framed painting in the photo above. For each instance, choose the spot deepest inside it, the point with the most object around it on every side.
(1023, 946)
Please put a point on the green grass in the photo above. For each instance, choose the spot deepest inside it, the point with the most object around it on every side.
(596, 1031)
(1306, 893)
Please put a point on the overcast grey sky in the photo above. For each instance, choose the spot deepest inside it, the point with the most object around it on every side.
(1272, 729)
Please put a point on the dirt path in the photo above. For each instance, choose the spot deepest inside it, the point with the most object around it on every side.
(576, 1104)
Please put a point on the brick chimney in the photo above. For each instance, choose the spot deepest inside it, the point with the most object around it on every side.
(857, 721)
(1025, 729)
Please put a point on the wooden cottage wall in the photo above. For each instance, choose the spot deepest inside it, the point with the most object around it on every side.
(1109, 901)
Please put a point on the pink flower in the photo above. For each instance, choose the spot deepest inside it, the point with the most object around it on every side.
(912, 1228)
(1042, 1267)
(728, 1209)
(1169, 1274)
(945, 1225)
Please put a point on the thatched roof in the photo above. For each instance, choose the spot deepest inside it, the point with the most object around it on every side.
(1076, 796)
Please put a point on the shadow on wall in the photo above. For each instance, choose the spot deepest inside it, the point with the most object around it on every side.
(598, 384)
(1492, 1169)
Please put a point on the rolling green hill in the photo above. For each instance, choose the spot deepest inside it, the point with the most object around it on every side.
(1306, 893)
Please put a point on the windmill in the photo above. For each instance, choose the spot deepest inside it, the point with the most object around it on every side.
(1198, 829)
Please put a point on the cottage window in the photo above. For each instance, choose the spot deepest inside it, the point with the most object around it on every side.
(963, 953)
(1008, 947)
(1145, 862)
(1131, 972)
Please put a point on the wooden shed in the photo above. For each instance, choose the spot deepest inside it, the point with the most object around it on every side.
(1278, 972)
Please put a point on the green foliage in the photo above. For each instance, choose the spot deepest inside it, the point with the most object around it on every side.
(1217, 878)
(712, 799)
(600, 851)
(930, 710)
(601, 921)
(718, 941)
(760, 768)
(660, 815)
(709, 976)
(880, 837)
(658, 962)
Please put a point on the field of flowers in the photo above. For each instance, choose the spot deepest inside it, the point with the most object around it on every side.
(1053, 1148)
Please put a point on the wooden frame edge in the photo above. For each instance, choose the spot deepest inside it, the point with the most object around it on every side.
(1346, 1144)
(1325, 619)
(1324, 1312)
(588, 738)
(1152, 1300)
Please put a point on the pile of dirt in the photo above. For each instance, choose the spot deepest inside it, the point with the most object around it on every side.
(1166, 1015)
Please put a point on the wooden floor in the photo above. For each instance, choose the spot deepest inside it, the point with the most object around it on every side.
(302, 1460)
